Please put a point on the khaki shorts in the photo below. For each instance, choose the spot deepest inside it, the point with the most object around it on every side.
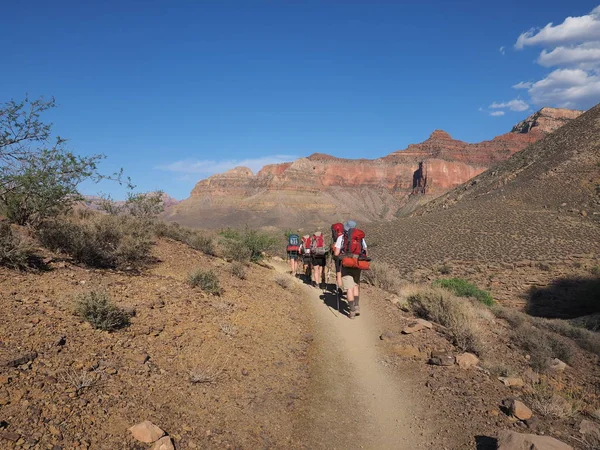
(350, 277)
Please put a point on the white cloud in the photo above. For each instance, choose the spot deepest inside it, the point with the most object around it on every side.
(573, 29)
(523, 85)
(567, 88)
(572, 48)
(502, 50)
(210, 167)
(586, 55)
(497, 113)
(513, 105)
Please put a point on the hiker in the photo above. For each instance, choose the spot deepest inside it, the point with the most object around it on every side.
(293, 250)
(319, 252)
(352, 249)
(337, 230)
(306, 258)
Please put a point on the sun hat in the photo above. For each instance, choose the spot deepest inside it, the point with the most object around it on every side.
(350, 224)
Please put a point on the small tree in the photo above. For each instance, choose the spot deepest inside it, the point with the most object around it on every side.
(38, 177)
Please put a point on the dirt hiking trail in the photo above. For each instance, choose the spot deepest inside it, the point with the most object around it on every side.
(354, 401)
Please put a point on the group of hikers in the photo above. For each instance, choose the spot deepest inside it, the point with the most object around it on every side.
(311, 255)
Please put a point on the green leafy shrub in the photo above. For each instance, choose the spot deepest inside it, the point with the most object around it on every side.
(249, 245)
(206, 280)
(15, 253)
(463, 288)
(97, 308)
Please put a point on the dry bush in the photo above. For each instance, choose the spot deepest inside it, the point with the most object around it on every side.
(97, 308)
(545, 399)
(458, 315)
(211, 370)
(382, 276)
(193, 238)
(547, 329)
(100, 241)
(80, 379)
(228, 329)
(238, 270)
(206, 280)
(283, 281)
(499, 369)
(234, 251)
(15, 253)
(542, 346)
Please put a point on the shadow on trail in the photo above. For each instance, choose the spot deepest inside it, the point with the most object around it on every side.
(486, 443)
(330, 298)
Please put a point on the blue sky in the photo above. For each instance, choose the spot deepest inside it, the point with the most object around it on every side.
(173, 91)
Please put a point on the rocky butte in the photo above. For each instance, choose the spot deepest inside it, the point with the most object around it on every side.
(320, 188)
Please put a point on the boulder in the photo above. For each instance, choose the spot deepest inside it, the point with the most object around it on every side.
(587, 427)
(163, 444)
(407, 351)
(510, 440)
(417, 325)
(557, 365)
(442, 359)
(24, 359)
(146, 432)
(512, 381)
(467, 360)
(518, 409)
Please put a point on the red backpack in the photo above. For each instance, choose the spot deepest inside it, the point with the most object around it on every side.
(353, 251)
(336, 230)
(306, 243)
(318, 245)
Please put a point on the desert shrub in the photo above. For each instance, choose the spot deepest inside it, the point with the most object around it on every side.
(542, 346)
(238, 270)
(198, 241)
(103, 241)
(584, 338)
(499, 369)
(258, 243)
(234, 251)
(230, 233)
(283, 281)
(193, 238)
(206, 280)
(15, 253)
(445, 269)
(249, 245)
(547, 400)
(383, 276)
(463, 288)
(97, 308)
(457, 315)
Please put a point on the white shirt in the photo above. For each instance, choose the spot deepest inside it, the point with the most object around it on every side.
(339, 244)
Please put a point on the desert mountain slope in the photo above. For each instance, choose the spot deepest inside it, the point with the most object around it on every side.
(321, 188)
(524, 223)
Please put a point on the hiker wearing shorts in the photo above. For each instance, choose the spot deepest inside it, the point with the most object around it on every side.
(319, 259)
(293, 249)
(350, 276)
(337, 230)
(306, 257)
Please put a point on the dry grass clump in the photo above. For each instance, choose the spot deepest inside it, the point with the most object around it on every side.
(194, 238)
(101, 240)
(211, 370)
(238, 269)
(15, 253)
(382, 276)
(547, 400)
(206, 280)
(284, 281)
(543, 338)
(458, 315)
(97, 308)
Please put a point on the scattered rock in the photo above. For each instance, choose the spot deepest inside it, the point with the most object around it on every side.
(245, 372)
(518, 409)
(467, 360)
(387, 334)
(163, 444)
(407, 351)
(4, 398)
(146, 432)
(129, 310)
(510, 440)
(557, 365)
(587, 427)
(20, 360)
(417, 325)
(61, 341)
(442, 359)
(5, 379)
(9, 436)
(512, 381)
(139, 358)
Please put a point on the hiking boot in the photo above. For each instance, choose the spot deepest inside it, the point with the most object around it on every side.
(352, 311)
(356, 306)
(323, 286)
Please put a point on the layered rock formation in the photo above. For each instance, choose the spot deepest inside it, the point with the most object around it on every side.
(321, 188)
